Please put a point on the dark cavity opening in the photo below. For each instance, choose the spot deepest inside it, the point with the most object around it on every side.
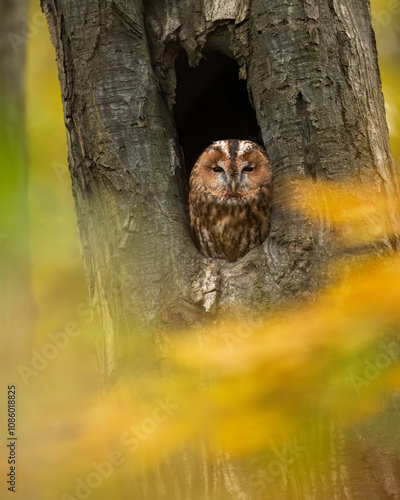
(211, 104)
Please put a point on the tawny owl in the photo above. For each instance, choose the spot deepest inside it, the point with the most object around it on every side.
(230, 199)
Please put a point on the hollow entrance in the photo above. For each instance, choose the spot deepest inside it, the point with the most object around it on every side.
(211, 104)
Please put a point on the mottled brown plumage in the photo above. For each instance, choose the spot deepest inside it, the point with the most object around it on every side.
(230, 199)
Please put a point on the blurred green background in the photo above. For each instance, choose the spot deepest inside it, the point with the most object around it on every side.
(57, 274)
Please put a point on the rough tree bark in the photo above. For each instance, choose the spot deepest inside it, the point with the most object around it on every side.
(313, 81)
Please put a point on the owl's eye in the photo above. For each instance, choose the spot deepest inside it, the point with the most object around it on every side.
(248, 169)
(218, 169)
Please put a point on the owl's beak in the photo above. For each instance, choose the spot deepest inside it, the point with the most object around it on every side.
(233, 186)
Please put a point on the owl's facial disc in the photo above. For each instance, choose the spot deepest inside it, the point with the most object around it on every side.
(230, 173)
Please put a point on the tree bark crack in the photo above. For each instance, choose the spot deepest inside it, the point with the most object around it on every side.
(127, 18)
(312, 162)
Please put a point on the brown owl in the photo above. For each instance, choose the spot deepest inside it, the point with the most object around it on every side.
(230, 199)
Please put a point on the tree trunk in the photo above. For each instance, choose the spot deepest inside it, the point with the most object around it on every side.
(140, 104)
(16, 308)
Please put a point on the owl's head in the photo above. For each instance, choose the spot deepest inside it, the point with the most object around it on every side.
(232, 170)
